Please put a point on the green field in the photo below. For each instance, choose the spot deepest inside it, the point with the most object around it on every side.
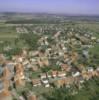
(7, 32)
(95, 50)
(94, 27)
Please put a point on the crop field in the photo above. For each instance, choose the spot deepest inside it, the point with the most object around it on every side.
(7, 32)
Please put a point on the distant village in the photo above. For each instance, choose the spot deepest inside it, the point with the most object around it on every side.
(59, 61)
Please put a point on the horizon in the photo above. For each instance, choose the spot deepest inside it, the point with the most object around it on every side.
(69, 7)
(64, 14)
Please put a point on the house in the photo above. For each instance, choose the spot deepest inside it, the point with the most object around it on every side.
(61, 53)
(33, 53)
(46, 43)
(97, 69)
(93, 38)
(34, 68)
(4, 84)
(41, 53)
(48, 75)
(20, 70)
(31, 96)
(5, 95)
(64, 82)
(85, 53)
(2, 58)
(17, 59)
(6, 73)
(21, 98)
(86, 75)
(90, 69)
(75, 71)
(54, 74)
(45, 62)
(57, 34)
(1, 86)
(94, 73)
(97, 72)
(69, 80)
(40, 63)
(27, 66)
(65, 67)
(45, 82)
(76, 74)
(78, 80)
(19, 83)
(81, 67)
(19, 76)
(43, 75)
(10, 66)
(59, 83)
(25, 62)
(1, 70)
(24, 52)
(81, 80)
(66, 55)
(36, 82)
(73, 58)
(47, 85)
(32, 60)
(61, 74)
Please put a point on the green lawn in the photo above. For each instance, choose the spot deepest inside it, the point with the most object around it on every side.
(35, 74)
(9, 34)
(7, 31)
(91, 26)
(95, 50)
(41, 89)
(89, 91)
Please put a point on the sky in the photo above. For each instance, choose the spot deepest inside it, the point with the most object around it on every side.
(89, 7)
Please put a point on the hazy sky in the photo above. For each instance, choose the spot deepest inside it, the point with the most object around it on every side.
(51, 6)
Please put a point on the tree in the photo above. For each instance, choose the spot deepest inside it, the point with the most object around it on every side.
(30, 39)
(59, 94)
(14, 51)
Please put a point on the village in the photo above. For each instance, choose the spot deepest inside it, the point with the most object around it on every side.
(57, 62)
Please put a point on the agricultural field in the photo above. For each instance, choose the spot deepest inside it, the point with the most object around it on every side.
(93, 26)
(7, 32)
